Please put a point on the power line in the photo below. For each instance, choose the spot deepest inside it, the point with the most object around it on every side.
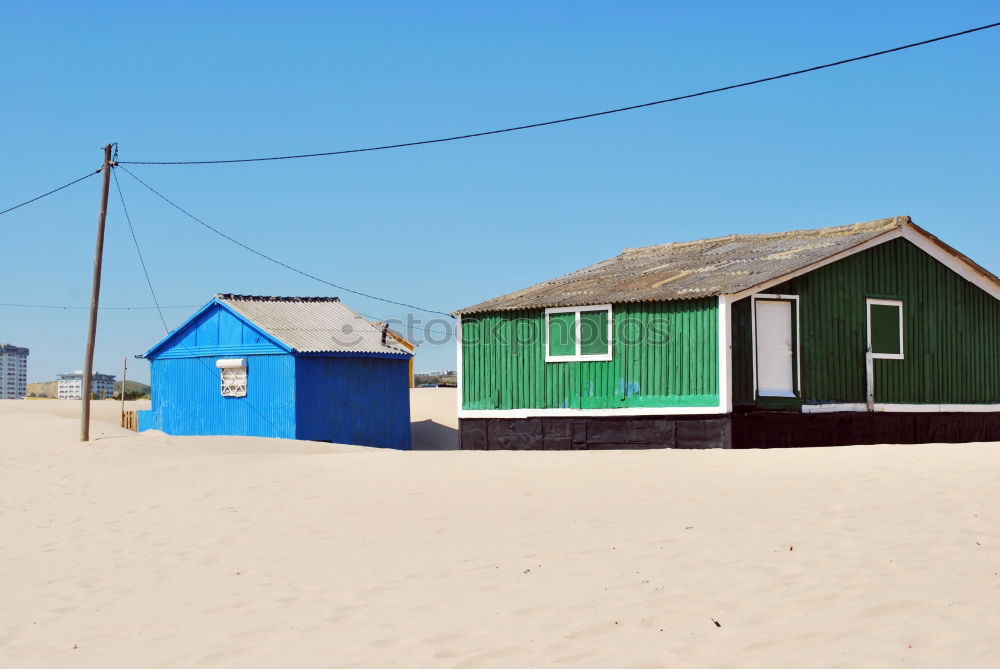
(412, 328)
(568, 119)
(139, 252)
(54, 190)
(67, 307)
(269, 258)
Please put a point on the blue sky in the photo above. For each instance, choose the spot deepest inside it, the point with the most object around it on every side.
(449, 225)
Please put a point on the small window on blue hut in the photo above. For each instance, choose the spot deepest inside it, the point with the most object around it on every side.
(233, 376)
(578, 333)
(885, 329)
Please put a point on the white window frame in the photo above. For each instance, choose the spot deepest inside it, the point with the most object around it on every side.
(232, 377)
(579, 357)
(868, 312)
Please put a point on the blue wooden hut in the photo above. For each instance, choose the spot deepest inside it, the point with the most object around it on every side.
(291, 367)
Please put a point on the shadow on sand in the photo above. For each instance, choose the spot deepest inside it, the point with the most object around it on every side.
(430, 436)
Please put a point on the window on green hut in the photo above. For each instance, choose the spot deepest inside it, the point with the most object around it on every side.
(578, 333)
(885, 329)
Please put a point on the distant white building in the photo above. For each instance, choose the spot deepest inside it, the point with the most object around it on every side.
(13, 372)
(70, 386)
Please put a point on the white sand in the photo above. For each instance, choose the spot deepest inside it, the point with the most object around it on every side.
(154, 551)
(434, 419)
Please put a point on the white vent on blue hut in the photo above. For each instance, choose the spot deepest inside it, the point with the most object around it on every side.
(233, 377)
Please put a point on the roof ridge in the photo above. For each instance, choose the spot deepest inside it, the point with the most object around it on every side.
(888, 223)
(296, 325)
(272, 298)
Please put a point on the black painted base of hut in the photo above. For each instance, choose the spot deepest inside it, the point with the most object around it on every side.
(592, 433)
(783, 429)
(741, 429)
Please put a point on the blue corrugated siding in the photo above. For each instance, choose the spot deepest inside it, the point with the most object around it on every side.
(216, 331)
(354, 400)
(187, 398)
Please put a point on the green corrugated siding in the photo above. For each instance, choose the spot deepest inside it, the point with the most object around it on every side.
(951, 332)
(742, 357)
(503, 361)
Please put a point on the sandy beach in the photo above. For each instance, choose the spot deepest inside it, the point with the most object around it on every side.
(157, 551)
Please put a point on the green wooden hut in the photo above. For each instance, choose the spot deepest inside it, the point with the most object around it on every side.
(875, 332)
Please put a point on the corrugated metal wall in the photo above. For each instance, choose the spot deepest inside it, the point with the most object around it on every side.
(503, 361)
(217, 332)
(951, 332)
(187, 398)
(742, 357)
(354, 400)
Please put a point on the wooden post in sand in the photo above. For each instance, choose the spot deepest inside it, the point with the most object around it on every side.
(95, 296)
(124, 372)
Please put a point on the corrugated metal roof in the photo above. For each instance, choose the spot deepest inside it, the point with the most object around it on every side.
(685, 270)
(312, 324)
(397, 334)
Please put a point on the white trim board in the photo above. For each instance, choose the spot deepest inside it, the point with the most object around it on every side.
(900, 408)
(847, 407)
(834, 408)
(725, 366)
(624, 411)
(458, 363)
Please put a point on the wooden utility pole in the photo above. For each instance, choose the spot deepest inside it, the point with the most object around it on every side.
(95, 296)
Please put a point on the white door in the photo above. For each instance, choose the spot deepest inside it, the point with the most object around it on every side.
(775, 366)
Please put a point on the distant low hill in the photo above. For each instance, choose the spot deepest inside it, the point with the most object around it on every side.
(133, 389)
(435, 379)
(43, 389)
